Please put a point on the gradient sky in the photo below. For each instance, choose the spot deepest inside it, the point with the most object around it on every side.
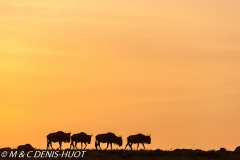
(166, 68)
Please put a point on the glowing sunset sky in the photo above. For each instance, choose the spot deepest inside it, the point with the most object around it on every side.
(166, 68)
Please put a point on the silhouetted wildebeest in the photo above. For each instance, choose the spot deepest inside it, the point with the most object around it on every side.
(80, 137)
(108, 138)
(25, 147)
(138, 138)
(58, 137)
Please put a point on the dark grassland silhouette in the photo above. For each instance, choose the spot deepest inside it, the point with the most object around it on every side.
(158, 154)
(80, 137)
(138, 138)
(108, 138)
(59, 137)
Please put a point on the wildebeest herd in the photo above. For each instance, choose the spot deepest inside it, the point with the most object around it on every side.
(109, 138)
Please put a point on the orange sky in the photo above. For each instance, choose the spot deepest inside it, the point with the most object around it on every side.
(166, 68)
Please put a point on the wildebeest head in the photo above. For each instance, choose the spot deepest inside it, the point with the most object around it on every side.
(119, 141)
(148, 139)
(89, 138)
(67, 137)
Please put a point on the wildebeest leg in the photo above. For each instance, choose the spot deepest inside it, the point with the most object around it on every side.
(107, 145)
(81, 145)
(85, 145)
(47, 144)
(97, 144)
(143, 145)
(130, 145)
(51, 145)
(76, 144)
(127, 145)
(111, 145)
(60, 145)
(137, 146)
(71, 145)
